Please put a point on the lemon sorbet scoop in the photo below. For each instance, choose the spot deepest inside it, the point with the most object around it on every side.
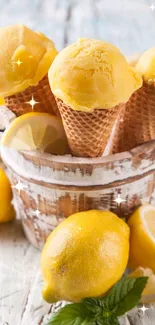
(25, 59)
(92, 74)
(146, 65)
(91, 80)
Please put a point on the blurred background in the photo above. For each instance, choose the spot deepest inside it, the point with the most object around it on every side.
(129, 24)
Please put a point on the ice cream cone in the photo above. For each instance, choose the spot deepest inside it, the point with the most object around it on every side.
(87, 79)
(136, 124)
(20, 103)
(25, 59)
(87, 133)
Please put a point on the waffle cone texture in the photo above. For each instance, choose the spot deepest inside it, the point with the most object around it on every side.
(18, 103)
(136, 123)
(88, 133)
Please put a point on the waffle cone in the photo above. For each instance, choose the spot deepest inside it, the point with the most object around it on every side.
(136, 123)
(88, 133)
(18, 103)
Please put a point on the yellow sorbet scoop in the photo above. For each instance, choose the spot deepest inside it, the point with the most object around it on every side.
(25, 58)
(146, 65)
(92, 74)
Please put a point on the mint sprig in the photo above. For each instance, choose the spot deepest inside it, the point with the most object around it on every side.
(124, 296)
(72, 314)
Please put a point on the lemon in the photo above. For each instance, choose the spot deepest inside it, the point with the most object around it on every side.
(7, 212)
(148, 295)
(142, 237)
(2, 101)
(34, 131)
(84, 256)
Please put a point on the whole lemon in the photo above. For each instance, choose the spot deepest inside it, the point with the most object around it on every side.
(84, 256)
(7, 212)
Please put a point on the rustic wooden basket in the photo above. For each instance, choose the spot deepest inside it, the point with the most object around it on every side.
(54, 187)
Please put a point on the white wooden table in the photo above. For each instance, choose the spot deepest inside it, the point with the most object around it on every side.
(130, 24)
(21, 302)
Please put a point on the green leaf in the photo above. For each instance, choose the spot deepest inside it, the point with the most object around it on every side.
(73, 314)
(103, 311)
(95, 305)
(125, 295)
(108, 321)
(114, 321)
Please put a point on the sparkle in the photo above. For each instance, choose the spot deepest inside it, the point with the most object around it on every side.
(143, 309)
(18, 62)
(32, 102)
(121, 120)
(119, 200)
(19, 186)
(152, 7)
(36, 212)
(30, 56)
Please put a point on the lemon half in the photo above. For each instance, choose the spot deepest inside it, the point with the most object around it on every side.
(36, 131)
(142, 237)
(148, 295)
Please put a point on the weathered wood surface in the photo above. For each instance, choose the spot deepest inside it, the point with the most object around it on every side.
(20, 283)
(6, 117)
(60, 186)
(131, 26)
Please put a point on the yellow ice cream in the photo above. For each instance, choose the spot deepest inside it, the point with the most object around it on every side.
(25, 57)
(146, 65)
(92, 74)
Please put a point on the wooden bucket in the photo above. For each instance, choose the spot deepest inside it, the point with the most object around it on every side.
(54, 187)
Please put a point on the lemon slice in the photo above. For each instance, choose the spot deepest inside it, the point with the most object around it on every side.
(142, 237)
(149, 291)
(36, 131)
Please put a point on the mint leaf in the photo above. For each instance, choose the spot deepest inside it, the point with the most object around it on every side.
(108, 321)
(125, 295)
(95, 305)
(73, 314)
(103, 311)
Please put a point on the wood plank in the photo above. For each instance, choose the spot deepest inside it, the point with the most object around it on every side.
(46, 16)
(125, 23)
(21, 302)
(19, 262)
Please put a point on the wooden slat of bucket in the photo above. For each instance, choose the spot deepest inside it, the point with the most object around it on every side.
(60, 186)
(81, 172)
(6, 117)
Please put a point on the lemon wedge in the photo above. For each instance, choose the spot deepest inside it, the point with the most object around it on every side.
(142, 237)
(148, 295)
(36, 131)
